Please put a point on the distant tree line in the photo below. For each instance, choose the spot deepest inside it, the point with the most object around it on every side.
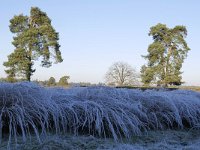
(51, 82)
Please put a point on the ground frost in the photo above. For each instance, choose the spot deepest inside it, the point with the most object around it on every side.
(31, 111)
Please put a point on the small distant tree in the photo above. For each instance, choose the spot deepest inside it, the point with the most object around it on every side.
(34, 38)
(51, 81)
(165, 55)
(64, 81)
(121, 74)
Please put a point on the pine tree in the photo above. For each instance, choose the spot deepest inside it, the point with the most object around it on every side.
(165, 55)
(34, 38)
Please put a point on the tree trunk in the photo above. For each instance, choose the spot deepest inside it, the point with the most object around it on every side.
(167, 66)
(29, 72)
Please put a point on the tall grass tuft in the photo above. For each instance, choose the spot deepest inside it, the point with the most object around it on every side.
(27, 109)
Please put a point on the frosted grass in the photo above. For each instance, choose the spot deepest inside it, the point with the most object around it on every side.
(153, 140)
(27, 109)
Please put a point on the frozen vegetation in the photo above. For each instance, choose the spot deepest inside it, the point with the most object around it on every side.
(127, 119)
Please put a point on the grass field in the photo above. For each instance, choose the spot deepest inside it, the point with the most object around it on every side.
(50, 117)
(193, 88)
(153, 140)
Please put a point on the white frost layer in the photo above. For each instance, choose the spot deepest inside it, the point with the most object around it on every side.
(102, 111)
(154, 140)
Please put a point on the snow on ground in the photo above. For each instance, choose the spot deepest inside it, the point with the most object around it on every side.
(150, 119)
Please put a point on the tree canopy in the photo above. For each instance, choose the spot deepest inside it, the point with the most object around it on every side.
(63, 81)
(165, 55)
(51, 81)
(34, 39)
(121, 74)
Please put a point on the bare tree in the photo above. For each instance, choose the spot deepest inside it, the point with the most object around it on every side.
(120, 74)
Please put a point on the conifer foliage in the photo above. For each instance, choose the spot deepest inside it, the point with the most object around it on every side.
(165, 55)
(34, 39)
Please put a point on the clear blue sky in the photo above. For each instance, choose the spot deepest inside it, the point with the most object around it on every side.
(96, 33)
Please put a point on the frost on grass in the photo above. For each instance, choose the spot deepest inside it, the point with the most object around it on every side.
(27, 109)
(153, 140)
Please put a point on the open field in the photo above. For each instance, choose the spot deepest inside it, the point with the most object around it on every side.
(127, 118)
(193, 88)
